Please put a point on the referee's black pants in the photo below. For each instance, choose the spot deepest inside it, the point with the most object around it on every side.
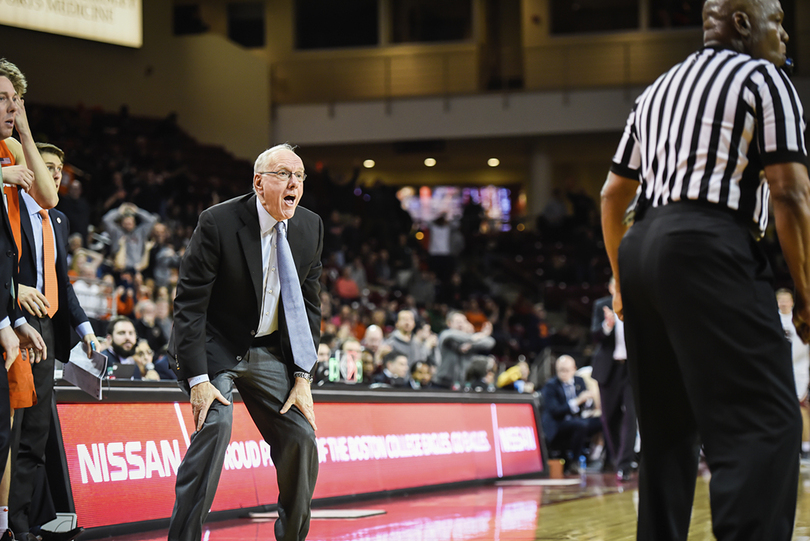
(709, 363)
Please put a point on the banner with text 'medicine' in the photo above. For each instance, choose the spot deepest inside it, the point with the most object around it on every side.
(110, 21)
(123, 458)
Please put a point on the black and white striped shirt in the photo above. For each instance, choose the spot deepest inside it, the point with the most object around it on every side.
(705, 129)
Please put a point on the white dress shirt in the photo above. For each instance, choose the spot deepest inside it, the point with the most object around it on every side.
(268, 317)
(620, 351)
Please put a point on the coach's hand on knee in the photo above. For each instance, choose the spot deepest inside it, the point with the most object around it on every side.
(301, 398)
(202, 396)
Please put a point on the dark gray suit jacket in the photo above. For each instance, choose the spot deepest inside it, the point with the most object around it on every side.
(216, 310)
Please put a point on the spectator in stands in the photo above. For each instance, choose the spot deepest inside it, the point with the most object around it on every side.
(370, 366)
(163, 314)
(321, 374)
(127, 234)
(143, 357)
(95, 297)
(85, 263)
(373, 338)
(475, 315)
(457, 345)
(357, 272)
(122, 339)
(395, 370)
(161, 258)
(76, 208)
(125, 292)
(428, 339)
(147, 327)
(74, 244)
(345, 286)
(439, 248)
(402, 340)
(516, 378)
(480, 375)
(421, 374)
(327, 307)
(564, 398)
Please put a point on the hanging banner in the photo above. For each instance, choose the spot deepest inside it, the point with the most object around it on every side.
(110, 21)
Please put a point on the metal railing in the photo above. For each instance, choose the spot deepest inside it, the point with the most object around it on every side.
(565, 63)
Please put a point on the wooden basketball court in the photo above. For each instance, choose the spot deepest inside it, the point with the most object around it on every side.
(590, 508)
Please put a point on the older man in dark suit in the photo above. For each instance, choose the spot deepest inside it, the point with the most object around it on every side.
(564, 399)
(610, 371)
(247, 313)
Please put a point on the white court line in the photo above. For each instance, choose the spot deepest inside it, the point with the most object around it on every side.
(182, 425)
(538, 482)
(495, 434)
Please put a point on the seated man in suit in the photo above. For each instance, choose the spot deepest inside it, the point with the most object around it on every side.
(564, 399)
(395, 370)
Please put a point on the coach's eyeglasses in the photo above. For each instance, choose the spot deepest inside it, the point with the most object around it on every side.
(285, 175)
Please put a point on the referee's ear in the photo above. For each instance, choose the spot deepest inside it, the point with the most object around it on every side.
(742, 24)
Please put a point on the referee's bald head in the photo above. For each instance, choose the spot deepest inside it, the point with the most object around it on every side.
(753, 27)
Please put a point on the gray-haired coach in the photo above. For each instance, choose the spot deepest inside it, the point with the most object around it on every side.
(247, 314)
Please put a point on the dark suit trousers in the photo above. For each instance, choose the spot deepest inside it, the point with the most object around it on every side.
(29, 438)
(264, 384)
(619, 416)
(709, 363)
(572, 434)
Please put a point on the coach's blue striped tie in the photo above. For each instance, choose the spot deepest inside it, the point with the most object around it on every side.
(303, 348)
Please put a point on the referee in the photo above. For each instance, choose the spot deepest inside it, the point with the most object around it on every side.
(707, 146)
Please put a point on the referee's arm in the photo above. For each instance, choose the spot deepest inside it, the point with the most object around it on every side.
(790, 190)
(617, 194)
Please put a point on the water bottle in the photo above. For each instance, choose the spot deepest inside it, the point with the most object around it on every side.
(583, 463)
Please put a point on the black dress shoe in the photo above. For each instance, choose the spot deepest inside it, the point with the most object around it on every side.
(46, 535)
(623, 475)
